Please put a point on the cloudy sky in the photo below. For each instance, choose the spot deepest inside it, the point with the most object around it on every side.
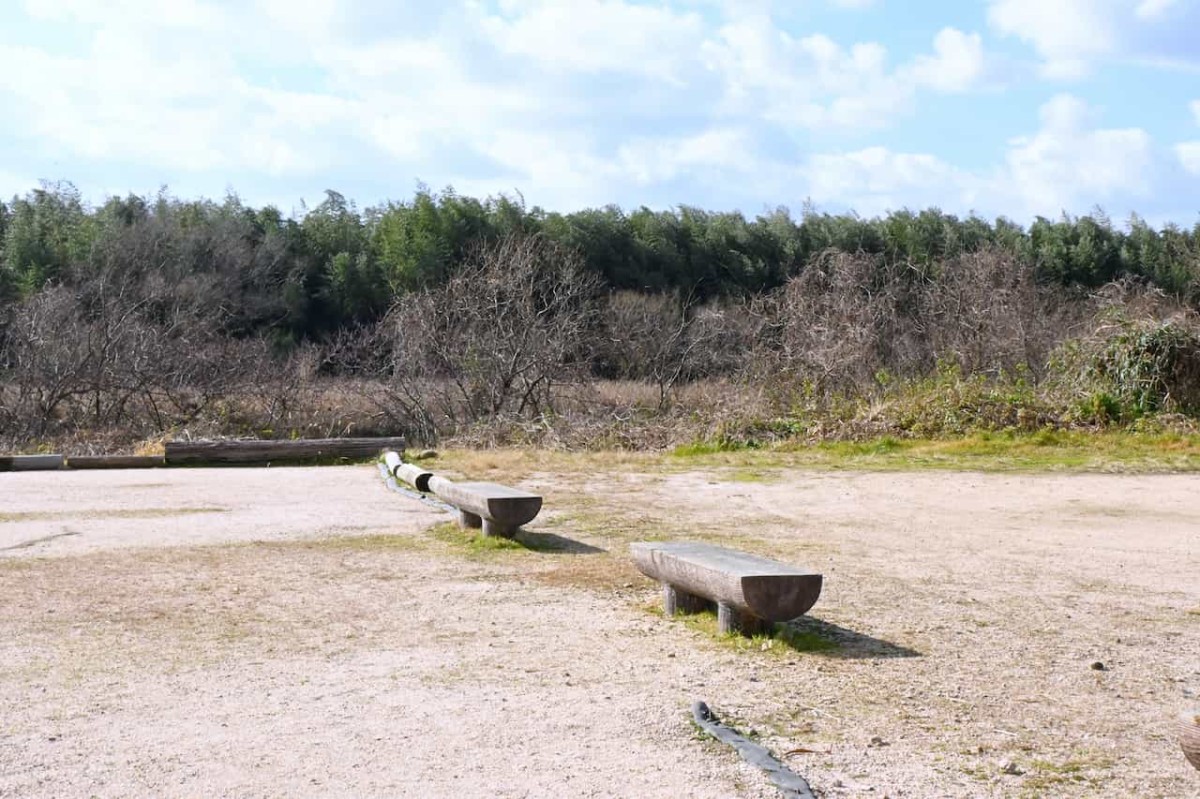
(1013, 107)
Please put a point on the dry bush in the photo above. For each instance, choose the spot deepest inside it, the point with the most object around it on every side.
(501, 337)
(851, 322)
(986, 314)
(665, 341)
(837, 324)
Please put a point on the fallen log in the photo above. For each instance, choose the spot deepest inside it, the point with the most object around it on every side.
(30, 463)
(410, 473)
(191, 453)
(115, 461)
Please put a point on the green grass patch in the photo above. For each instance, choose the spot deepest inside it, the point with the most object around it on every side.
(472, 542)
(1046, 777)
(782, 640)
(1043, 450)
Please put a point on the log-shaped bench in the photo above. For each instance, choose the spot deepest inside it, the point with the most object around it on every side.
(414, 475)
(751, 593)
(498, 509)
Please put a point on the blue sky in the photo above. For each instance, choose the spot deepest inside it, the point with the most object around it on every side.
(1001, 107)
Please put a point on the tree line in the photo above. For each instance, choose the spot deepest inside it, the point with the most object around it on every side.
(450, 316)
(337, 266)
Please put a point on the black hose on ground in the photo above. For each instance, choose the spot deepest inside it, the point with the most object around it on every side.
(790, 784)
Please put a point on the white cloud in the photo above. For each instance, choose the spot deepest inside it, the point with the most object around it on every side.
(1188, 153)
(597, 36)
(649, 161)
(1066, 162)
(956, 64)
(1072, 36)
(815, 83)
(1066, 165)
(182, 14)
(875, 180)
(1152, 9)
(1067, 34)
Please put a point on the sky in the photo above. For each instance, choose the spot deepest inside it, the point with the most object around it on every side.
(1017, 108)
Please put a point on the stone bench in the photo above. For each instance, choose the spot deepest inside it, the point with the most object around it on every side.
(498, 509)
(751, 593)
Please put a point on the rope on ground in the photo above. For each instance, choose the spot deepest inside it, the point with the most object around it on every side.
(393, 484)
(790, 784)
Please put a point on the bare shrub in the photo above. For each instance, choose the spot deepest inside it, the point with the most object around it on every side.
(839, 322)
(850, 323)
(662, 339)
(986, 313)
(501, 337)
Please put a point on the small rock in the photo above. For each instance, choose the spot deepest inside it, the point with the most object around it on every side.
(1009, 767)
(425, 454)
(1099, 666)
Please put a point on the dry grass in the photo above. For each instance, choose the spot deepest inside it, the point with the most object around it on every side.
(104, 513)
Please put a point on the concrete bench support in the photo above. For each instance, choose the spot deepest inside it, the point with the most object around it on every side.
(498, 510)
(750, 592)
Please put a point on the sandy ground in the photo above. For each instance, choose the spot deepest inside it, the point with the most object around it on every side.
(285, 632)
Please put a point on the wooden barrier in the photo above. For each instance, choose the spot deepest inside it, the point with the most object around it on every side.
(498, 509)
(750, 592)
(414, 475)
(30, 463)
(185, 453)
(115, 461)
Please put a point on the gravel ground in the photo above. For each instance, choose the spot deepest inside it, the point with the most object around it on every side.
(284, 632)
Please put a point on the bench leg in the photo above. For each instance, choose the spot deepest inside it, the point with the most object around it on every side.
(491, 528)
(677, 601)
(468, 520)
(731, 620)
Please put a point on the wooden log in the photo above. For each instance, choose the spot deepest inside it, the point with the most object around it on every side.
(414, 475)
(501, 509)
(30, 463)
(753, 589)
(115, 461)
(184, 453)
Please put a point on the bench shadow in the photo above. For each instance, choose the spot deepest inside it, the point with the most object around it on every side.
(845, 643)
(556, 544)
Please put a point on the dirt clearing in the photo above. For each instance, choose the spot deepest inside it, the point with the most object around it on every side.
(283, 632)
